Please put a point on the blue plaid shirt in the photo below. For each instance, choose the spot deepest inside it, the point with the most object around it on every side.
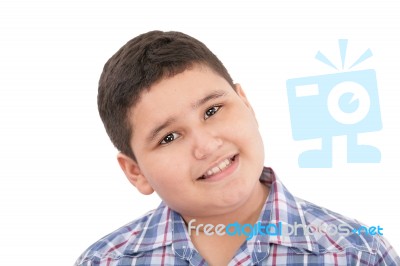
(161, 238)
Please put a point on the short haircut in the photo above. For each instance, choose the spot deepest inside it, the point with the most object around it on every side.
(136, 66)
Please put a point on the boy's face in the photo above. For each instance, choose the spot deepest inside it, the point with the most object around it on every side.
(197, 144)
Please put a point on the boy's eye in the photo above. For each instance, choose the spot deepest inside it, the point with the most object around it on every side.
(170, 137)
(211, 111)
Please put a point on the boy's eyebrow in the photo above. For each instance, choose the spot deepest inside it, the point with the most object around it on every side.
(213, 95)
(153, 134)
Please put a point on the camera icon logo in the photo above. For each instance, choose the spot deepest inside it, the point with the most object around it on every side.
(325, 106)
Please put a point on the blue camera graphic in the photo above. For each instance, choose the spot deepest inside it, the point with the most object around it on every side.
(325, 106)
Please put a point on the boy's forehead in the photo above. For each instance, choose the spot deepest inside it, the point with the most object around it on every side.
(202, 80)
(171, 96)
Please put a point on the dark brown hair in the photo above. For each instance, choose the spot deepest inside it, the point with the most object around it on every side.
(136, 66)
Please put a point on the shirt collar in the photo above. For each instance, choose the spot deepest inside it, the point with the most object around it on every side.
(282, 207)
(156, 231)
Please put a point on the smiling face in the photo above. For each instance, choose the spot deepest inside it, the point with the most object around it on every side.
(197, 144)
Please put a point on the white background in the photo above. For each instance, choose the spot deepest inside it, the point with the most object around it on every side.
(61, 188)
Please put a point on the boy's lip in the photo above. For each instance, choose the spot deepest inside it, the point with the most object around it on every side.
(207, 175)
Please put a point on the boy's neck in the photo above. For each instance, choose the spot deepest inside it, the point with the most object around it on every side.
(248, 212)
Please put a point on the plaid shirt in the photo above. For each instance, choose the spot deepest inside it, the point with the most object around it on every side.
(161, 238)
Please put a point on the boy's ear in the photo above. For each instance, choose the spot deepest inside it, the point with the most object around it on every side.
(134, 175)
(242, 95)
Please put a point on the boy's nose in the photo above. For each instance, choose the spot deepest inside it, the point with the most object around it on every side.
(206, 144)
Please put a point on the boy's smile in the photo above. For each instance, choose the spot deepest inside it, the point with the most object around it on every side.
(197, 145)
(220, 169)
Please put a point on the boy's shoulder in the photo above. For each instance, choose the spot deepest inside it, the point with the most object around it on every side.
(335, 232)
(320, 230)
(328, 235)
(142, 233)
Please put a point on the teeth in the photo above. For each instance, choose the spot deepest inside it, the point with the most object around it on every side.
(221, 166)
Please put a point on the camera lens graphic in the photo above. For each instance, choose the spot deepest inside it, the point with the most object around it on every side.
(348, 102)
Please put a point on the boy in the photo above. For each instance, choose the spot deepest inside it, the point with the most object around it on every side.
(187, 132)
